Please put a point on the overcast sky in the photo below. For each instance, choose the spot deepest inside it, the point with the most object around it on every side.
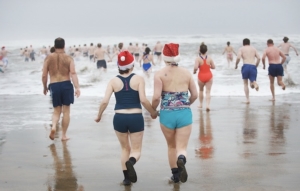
(40, 19)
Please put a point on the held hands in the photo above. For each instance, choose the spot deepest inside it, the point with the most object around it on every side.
(154, 115)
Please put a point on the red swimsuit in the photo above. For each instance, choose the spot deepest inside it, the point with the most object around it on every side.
(204, 74)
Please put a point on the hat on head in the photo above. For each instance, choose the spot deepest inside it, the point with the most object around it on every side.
(125, 60)
(171, 53)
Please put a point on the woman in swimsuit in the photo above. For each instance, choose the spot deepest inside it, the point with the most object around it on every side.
(205, 77)
(147, 59)
(229, 50)
(129, 90)
(172, 84)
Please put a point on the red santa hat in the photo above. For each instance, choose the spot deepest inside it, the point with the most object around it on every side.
(171, 53)
(125, 60)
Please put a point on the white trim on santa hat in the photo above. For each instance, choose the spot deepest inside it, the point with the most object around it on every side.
(128, 66)
(171, 59)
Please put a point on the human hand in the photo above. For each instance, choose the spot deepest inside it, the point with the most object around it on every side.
(264, 67)
(154, 115)
(236, 66)
(77, 92)
(45, 91)
(98, 118)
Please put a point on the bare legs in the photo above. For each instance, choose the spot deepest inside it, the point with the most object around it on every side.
(279, 82)
(130, 151)
(65, 121)
(177, 141)
(246, 89)
(208, 86)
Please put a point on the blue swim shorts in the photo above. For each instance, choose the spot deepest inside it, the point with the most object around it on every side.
(249, 71)
(128, 122)
(174, 119)
(62, 93)
(101, 64)
(146, 66)
(275, 70)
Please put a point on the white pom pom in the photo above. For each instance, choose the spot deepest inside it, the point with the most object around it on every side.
(122, 58)
(177, 58)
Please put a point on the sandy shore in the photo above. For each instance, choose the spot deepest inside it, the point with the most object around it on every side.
(233, 147)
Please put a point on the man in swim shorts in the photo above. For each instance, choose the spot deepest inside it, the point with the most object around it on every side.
(285, 48)
(275, 65)
(100, 56)
(61, 69)
(91, 51)
(249, 71)
(157, 50)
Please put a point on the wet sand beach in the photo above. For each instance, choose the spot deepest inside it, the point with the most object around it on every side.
(234, 147)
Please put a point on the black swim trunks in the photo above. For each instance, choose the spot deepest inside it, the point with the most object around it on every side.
(157, 53)
(136, 54)
(62, 93)
(91, 57)
(101, 64)
(124, 123)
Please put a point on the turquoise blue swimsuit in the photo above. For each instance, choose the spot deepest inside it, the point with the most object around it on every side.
(175, 110)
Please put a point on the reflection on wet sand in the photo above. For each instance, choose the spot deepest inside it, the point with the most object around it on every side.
(277, 125)
(65, 178)
(205, 136)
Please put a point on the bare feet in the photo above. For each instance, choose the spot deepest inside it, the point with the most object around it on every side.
(246, 102)
(65, 138)
(200, 106)
(283, 87)
(257, 88)
(52, 134)
(273, 99)
(252, 86)
(208, 109)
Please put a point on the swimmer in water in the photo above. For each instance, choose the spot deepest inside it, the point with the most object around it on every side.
(147, 59)
(229, 51)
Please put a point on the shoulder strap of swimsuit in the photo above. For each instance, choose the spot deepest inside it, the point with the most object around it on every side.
(203, 58)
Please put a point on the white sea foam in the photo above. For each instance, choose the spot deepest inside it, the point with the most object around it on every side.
(24, 78)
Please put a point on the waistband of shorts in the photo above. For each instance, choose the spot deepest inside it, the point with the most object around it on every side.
(287, 54)
(67, 81)
(175, 109)
(275, 64)
(249, 64)
(128, 113)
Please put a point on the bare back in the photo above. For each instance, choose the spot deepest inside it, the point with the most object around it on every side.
(99, 53)
(285, 47)
(248, 54)
(58, 65)
(174, 79)
(228, 49)
(158, 47)
(273, 54)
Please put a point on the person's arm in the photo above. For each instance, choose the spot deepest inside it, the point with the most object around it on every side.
(193, 90)
(234, 52)
(283, 57)
(74, 78)
(144, 101)
(152, 60)
(264, 59)
(212, 64)
(294, 49)
(45, 78)
(108, 56)
(105, 101)
(196, 66)
(224, 51)
(238, 59)
(257, 58)
(157, 90)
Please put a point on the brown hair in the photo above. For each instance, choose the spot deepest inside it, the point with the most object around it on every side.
(203, 48)
(120, 45)
(270, 41)
(124, 71)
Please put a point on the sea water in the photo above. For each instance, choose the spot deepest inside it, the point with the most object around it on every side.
(24, 78)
